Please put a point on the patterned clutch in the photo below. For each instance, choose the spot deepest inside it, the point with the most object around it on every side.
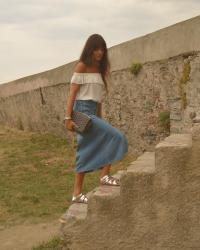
(82, 121)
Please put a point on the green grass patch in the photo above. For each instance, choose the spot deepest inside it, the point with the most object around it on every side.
(182, 83)
(37, 176)
(164, 118)
(56, 243)
(135, 68)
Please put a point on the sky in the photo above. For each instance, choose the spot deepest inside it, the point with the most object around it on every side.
(39, 35)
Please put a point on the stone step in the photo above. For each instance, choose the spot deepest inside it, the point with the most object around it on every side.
(79, 211)
(171, 156)
(146, 207)
(76, 211)
(144, 163)
(105, 199)
(137, 184)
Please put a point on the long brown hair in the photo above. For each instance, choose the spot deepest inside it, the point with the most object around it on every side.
(93, 42)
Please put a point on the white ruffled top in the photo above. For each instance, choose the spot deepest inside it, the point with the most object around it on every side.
(92, 86)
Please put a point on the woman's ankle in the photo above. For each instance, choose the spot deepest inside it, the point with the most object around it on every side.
(102, 175)
(76, 193)
(105, 170)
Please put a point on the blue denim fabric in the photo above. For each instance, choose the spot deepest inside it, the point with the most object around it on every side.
(88, 107)
(101, 145)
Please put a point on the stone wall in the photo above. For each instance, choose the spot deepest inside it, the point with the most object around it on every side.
(136, 103)
(167, 83)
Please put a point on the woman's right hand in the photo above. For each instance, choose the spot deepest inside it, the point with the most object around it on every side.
(69, 124)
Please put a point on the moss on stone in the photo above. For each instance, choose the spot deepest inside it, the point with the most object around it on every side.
(164, 117)
(182, 83)
(135, 68)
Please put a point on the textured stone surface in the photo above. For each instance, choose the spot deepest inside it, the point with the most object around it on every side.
(134, 103)
(157, 207)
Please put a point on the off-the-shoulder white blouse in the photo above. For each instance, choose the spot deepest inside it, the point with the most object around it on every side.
(92, 86)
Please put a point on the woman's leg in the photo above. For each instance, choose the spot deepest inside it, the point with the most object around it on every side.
(105, 170)
(79, 177)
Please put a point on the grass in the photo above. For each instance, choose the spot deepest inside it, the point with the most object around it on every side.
(182, 83)
(135, 68)
(56, 243)
(37, 176)
(164, 118)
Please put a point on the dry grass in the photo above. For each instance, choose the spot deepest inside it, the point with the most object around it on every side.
(37, 176)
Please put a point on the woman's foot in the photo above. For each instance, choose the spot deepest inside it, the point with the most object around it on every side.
(80, 198)
(109, 180)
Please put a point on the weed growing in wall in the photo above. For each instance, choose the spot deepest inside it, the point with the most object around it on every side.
(135, 68)
(164, 117)
(182, 83)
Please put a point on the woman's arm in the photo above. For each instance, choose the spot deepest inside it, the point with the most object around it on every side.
(99, 109)
(70, 125)
(74, 88)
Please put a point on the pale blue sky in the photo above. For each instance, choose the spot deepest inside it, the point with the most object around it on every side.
(38, 35)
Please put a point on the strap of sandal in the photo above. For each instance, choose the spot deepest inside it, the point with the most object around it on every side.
(83, 198)
(80, 196)
(110, 179)
(115, 180)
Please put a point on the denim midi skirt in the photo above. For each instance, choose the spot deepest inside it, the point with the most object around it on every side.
(102, 144)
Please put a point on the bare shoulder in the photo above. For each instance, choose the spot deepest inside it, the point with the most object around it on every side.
(80, 67)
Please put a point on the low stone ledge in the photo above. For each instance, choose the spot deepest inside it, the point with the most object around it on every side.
(176, 140)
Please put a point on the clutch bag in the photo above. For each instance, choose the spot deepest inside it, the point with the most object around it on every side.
(82, 121)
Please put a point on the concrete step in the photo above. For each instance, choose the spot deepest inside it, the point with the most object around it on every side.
(148, 208)
(76, 211)
(171, 156)
(79, 211)
(144, 163)
(137, 185)
(105, 199)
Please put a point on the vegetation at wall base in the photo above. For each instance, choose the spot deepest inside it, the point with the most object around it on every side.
(182, 83)
(135, 68)
(56, 243)
(164, 118)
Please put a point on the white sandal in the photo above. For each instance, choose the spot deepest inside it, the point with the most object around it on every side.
(109, 180)
(80, 198)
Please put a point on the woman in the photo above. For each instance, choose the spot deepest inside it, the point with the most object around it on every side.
(102, 143)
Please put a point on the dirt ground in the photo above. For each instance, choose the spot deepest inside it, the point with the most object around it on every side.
(25, 236)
